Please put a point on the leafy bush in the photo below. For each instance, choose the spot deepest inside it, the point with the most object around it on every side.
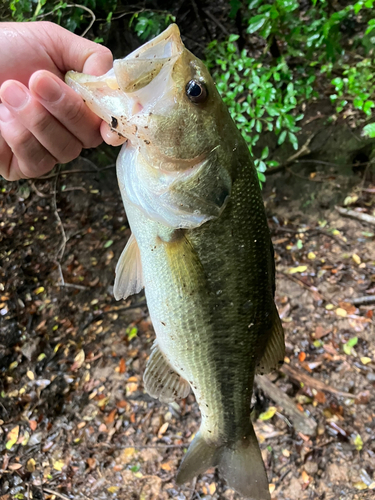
(266, 93)
(71, 16)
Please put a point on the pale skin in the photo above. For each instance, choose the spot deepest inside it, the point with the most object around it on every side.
(43, 121)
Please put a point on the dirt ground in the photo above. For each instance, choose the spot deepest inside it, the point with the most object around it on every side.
(75, 421)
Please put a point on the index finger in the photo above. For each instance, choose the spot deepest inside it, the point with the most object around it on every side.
(70, 51)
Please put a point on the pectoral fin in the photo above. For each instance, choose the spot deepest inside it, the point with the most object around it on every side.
(160, 379)
(129, 279)
(274, 353)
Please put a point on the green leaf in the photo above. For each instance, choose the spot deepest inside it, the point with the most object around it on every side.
(352, 342)
(108, 243)
(369, 130)
(268, 414)
(256, 22)
(265, 153)
(282, 137)
(358, 443)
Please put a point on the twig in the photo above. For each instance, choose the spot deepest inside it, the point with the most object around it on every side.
(311, 289)
(369, 219)
(56, 493)
(300, 376)
(216, 21)
(303, 151)
(301, 421)
(77, 171)
(363, 301)
(93, 16)
(70, 285)
(36, 190)
(289, 169)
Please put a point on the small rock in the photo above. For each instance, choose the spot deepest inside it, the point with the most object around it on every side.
(311, 468)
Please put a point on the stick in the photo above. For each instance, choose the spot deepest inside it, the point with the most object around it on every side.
(301, 422)
(52, 492)
(300, 376)
(363, 301)
(311, 289)
(356, 215)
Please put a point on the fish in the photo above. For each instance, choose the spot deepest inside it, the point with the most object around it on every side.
(200, 247)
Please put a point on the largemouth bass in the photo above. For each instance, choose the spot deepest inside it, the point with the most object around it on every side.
(200, 247)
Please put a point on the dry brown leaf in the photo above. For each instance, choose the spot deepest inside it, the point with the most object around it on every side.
(122, 366)
(14, 466)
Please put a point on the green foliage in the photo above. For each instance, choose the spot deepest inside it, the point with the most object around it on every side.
(369, 130)
(70, 16)
(316, 42)
(148, 24)
(259, 97)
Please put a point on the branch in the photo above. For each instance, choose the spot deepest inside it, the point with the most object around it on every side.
(299, 376)
(369, 219)
(302, 423)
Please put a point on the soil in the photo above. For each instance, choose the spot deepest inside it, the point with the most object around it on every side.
(75, 422)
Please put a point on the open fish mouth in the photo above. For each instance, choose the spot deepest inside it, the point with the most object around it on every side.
(140, 67)
(136, 84)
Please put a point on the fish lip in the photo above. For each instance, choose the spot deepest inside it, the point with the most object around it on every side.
(137, 70)
(171, 34)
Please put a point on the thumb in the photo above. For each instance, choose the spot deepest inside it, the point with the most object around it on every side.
(72, 52)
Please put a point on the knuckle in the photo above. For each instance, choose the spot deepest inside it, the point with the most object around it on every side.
(74, 111)
(69, 151)
(41, 122)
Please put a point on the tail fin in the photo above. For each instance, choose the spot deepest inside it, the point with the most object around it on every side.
(241, 465)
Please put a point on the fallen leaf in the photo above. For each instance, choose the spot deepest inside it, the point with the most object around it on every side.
(212, 488)
(356, 258)
(91, 462)
(311, 256)
(305, 477)
(31, 465)
(360, 485)
(39, 290)
(12, 437)
(163, 429)
(59, 465)
(111, 417)
(268, 414)
(341, 312)
(30, 375)
(365, 360)
(14, 466)
(113, 489)
(271, 487)
(358, 443)
(33, 424)
(166, 466)
(302, 356)
(127, 455)
(122, 366)
(78, 360)
(298, 269)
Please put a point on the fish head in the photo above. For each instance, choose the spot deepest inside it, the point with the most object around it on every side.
(161, 98)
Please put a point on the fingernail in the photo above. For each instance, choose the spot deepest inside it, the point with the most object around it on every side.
(5, 114)
(48, 89)
(14, 95)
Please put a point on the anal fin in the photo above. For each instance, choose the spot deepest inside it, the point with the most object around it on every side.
(129, 279)
(160, 379)
(274, 353)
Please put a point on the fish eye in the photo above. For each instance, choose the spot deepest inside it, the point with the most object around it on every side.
(196, 91)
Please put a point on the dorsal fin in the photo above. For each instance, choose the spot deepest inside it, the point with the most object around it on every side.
(129, 279)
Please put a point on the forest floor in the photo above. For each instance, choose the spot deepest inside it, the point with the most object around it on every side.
(75, 422)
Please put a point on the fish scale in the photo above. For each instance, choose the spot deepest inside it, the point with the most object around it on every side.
(200, 247)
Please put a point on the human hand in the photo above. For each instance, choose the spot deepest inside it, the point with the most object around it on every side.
(42, 120)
